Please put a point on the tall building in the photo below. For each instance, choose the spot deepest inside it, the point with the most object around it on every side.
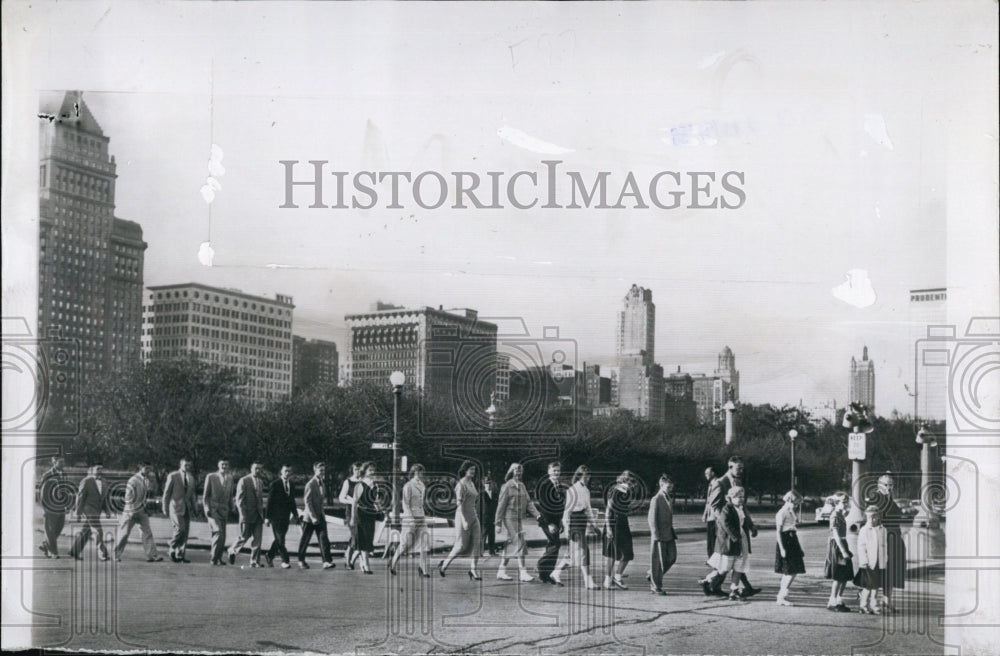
(680, 410)
(90, 262)
(932, 340)
(862, 383)
(451, 355)
(727, 373)
(252, 334)
(315, 363)
(637, 325)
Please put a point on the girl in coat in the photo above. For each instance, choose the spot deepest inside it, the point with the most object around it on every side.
(617, 534)
(872, 559)
(734, 528)
(788, 559)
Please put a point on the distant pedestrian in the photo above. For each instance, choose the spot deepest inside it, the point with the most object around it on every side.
(618, 551)
(579, 518)
(468, 533)
(217, 500)
(839, 565)
(314, 518)
(872, 558)
(92, 499)
(280, 512)
(250, 505)
(488, 514)
(708, 516)
(134, 512)
(732, 546)
(513, 503)
(347, 498)
(788, 557)
(54, 496)
(894, 576)
(366, 511)
(413, 527)
(180, 504)
(550, 500)
(663, 539)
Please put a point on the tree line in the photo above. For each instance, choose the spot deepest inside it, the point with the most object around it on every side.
(163, 411)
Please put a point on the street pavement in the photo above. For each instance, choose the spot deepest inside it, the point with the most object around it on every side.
(195, 607)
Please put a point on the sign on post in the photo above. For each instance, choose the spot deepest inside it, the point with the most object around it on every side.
(402, 466)
(856, 446)
(381, 445)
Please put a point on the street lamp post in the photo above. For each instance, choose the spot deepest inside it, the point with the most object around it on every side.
(792, 434)
(397, 378)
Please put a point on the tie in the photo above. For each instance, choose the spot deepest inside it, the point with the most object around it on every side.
(185, 482)
(288, 492)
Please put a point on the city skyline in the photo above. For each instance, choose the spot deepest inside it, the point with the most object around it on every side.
(759, 278)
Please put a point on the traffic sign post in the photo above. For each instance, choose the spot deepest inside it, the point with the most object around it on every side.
(381, 445)
(856, 446)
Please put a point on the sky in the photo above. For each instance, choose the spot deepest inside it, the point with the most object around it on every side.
(849, 122)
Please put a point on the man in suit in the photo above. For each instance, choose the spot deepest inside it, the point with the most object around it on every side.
(91, 499)
(218, 503)
(250, 504)
(708, 516)
(551, 502)
(134, 513)
(179, 503)
(53, 495)
(488, 514)
(280, 509)
(663, 545)
(313, 517)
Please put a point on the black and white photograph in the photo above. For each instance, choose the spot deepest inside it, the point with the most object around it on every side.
(501, 328)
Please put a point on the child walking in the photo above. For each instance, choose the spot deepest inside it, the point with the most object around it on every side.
(871, 560)
(839, 564)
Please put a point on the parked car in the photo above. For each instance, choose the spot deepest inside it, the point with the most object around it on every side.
(908, 507)
(823, 512)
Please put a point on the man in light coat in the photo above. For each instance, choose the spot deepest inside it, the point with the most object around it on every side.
(663, 540)
(314, 519)
(218, 503)
(134, 513)
(91, 499)
(250, 504)
(179, 503)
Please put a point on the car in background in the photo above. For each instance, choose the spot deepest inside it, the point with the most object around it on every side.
(823, 512)
(909, 508)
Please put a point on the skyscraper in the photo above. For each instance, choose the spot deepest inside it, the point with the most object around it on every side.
(90, 262)
(862, 384)
(728, 374)
(315, 362)
(637, 325)
(252, 334)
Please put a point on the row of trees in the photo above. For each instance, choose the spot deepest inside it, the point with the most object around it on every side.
(168, 410)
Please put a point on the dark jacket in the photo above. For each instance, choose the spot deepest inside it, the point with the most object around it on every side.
(728, 541)
(281, 506)
(488, 506)
(550, 502)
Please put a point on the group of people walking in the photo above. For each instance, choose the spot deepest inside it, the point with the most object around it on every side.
(880, 564)
(483, 512)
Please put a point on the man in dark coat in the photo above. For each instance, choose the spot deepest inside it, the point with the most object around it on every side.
(488, 514)
(280, 511)
(894, 576)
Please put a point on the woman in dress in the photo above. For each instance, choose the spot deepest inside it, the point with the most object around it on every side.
(617, 534)
(788, 557)
(839, 559)
(578, 518)
(347, 498)
(364, 514)
(413, 532)
(468, 534)
(511, 506)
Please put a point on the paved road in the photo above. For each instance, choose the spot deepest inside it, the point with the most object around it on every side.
(196, 607)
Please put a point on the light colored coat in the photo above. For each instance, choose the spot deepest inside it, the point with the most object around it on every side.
(250, 500)
(661, 518)
(218, 496)
(176, 500)
(872, 547)
(314, 499)
(135, 495)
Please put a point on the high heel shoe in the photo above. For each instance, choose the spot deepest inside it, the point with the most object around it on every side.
(424, 574)
(367, 571)
(392, 570)
(441, 568)
(474, 577)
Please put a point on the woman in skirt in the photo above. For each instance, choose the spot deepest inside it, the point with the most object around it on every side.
(787, 553)
(468, 533)
(617, 534)
(365, 512)
(578, 518)
(839, 565)
(512, 503)
(413, 534)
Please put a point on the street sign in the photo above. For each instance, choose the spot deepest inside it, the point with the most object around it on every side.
(381, 445)
(402, 466)
(856, 446)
